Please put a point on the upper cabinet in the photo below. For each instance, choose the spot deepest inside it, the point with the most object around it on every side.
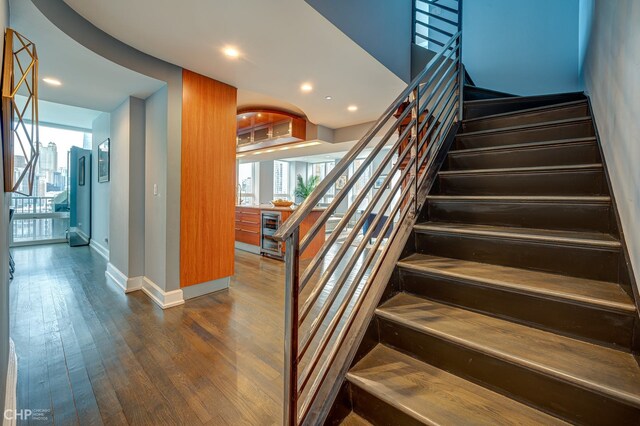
(259, 129)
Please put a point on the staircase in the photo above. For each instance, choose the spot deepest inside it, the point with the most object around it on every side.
(512, 303)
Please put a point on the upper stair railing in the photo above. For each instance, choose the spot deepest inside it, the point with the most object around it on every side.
(375, 187)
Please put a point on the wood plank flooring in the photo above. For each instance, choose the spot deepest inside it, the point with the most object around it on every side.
(88, 354)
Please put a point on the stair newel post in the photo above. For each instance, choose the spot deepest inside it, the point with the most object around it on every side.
(460, 66)
(291, 327)
(415, 141)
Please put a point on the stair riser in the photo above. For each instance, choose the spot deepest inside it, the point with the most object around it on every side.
(614, 329)
(499, 106)
(563, 113)
(577, 129)
(556, 155)
(472, 93)
(377, 411)
(578, 261)
(570, 217)
(341, 407)
(531, 387)
(582, 182)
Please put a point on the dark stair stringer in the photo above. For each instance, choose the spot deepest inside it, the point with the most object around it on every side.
(514, 302)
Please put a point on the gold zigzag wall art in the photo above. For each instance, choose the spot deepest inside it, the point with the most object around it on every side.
(20, 141)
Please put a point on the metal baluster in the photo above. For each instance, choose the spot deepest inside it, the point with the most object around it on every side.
(291, 328)
(460, 65)
(415, 132)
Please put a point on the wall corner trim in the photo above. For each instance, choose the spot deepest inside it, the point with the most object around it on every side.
(117, 278)
(100, 249)
(10, 404)
(164, 299)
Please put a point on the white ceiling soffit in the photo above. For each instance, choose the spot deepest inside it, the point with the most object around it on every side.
(311, 151)
(282, 44)
(294, 153)
(65, 115)
(88, 80)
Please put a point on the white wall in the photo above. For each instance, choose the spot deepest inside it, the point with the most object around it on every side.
(100, 192)
(4, 258)
(265, 182)
(126, 207)
(524, 47)
(119, 200)
(155, 221)
(612, 81)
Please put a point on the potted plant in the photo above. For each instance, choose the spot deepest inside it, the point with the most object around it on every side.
(303, 189)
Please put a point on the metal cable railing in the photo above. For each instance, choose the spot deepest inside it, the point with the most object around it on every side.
(394, 160)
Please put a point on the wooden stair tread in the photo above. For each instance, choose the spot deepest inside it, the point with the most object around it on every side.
(586, 199)
(606, 371)
(522, 127)
(435, 397)
(571, 167)
(525, 98)
(533, 234)
(603, 294)
(522, 146)
(354, 420)
(544, 108)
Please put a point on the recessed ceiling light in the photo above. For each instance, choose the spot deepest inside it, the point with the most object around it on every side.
(259, 115)
(244, 117)
(328, 98)
(231, 52)
(306, 87)
(352, 108)
(52, 81)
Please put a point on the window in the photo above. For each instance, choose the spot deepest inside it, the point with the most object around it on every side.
(322, 170)
(360, 184)
(281, 179)
(247, 183)
(44, 216)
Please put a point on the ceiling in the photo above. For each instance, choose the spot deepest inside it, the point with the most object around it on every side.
(66, 115)
(88, 80)
(282, 44)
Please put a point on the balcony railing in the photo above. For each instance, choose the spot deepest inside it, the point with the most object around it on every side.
(32, 205)
(35, 220)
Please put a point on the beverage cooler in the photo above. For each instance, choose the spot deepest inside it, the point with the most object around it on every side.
(270, 222)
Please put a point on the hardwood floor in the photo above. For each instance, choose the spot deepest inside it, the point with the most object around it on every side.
(88, 354)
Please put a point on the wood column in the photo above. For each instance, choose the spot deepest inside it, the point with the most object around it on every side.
(207, 188)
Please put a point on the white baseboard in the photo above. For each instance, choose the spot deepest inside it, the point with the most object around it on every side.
(120, 280)
(11, 387)
(164, 299)
(100, 249)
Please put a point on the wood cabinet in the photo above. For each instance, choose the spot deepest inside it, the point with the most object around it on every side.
(208, 178)
(247, 225)
(262, 128)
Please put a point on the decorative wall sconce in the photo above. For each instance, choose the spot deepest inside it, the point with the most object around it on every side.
(20, 139)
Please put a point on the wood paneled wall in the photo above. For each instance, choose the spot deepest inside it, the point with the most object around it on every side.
(207, 197)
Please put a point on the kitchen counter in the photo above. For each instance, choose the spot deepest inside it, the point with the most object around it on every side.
(273, 208)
